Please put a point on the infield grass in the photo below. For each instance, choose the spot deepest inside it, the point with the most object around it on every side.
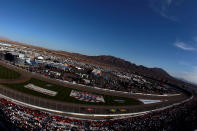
(6, 73)
(64, 94)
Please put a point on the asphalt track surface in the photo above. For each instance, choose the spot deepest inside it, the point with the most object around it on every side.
(80, 108)
(94, 116)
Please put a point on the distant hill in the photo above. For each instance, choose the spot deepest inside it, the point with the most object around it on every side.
(121, 63)
(110, 61)
(103, 60)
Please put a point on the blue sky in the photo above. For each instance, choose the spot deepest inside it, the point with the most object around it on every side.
(154, 33)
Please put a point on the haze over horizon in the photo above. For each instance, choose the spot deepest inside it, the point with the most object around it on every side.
(147, 32)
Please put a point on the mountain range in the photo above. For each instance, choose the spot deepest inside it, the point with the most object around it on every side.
(110, 61)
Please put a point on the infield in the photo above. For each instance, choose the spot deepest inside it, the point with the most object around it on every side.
(6, 73)
(64, 94)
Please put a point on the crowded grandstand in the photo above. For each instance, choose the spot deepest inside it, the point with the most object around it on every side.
(162, 119)
(55, 93)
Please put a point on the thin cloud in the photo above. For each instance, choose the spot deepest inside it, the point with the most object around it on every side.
(184, 63)
(169, 2)
(173, 18)
(163, 7)
(184, 46)
(190, 76)
(195, 39)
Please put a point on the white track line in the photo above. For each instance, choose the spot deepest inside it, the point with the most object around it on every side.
(95, 115)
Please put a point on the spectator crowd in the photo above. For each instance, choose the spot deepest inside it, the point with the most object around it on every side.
(182, 116)
(77, 72)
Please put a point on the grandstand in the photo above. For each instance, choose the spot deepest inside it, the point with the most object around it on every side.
(40, 98)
